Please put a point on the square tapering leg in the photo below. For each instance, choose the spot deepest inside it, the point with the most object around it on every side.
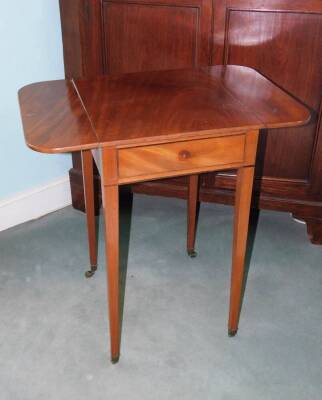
(243, 198)
(88, 182)
(111, 215)
(192, 213)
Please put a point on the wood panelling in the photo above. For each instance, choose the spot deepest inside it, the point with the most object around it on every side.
(154, 35)
(280, 38)
(82, 37)
(141, 37)
(270, 41)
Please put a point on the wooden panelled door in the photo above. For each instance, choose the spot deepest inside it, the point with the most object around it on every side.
(122, 36)
(156, 35)
(282, 39)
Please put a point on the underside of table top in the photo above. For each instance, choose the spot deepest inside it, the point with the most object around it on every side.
(153, 107)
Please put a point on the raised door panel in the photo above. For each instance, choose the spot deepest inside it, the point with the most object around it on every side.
(277, 45)
(282, 40)
(82, 37)
(156, 35)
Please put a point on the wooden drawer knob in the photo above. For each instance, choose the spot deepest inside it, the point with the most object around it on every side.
(184, 155)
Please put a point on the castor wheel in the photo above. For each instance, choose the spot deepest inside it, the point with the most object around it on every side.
(91, 272)
(115, 360)
(232, 332)
(192, 253)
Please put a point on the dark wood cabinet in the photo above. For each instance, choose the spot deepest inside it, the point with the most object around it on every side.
(280, 38)
(154, 36)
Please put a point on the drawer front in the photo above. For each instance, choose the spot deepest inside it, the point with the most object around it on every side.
(179, 158)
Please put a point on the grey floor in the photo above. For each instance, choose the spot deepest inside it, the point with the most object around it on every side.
(54, 337)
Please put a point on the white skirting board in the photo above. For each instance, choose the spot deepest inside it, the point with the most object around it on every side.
(35, 203)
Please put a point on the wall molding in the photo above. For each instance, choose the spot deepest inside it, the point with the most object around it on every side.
(35, 203)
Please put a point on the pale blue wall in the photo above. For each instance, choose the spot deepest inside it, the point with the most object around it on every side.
(30, 50)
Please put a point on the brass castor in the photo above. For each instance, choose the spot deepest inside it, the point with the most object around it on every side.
(115, 360)
(91, 272)
(192, 253)
(231, 332)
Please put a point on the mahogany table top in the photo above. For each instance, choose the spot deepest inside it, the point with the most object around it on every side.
(151, 107)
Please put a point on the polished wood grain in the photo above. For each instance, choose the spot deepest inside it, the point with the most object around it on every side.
(156, 35)
(82, 37)
(207, 105)
(151, 162)
(204, 99)
(270, 30)
(83, 33)
(123, 36)
(88, 176)
(286, 38)
(267, 101)
(54, 119)
(279, 38)
(133, 43)
(152, 107)
(177, 32)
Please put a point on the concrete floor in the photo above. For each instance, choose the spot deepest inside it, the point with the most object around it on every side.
(53, 326)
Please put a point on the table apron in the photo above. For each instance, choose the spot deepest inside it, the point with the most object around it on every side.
(149, 162)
